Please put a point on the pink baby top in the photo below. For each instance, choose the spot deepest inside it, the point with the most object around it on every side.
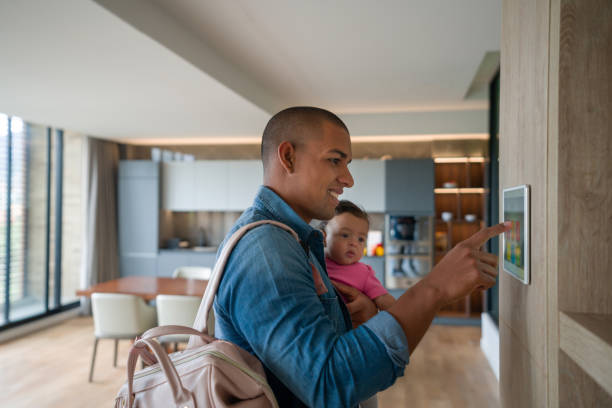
(358, 275)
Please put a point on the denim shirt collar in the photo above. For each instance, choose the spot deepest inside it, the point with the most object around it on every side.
(268, 201)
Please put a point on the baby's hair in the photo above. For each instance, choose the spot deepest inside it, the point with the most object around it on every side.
(346, 206)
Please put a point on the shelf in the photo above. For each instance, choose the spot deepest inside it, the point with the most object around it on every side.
(406, 241)
(408, 256)
(587, 339)
(462, 190)
(477, 159)
(454, 221)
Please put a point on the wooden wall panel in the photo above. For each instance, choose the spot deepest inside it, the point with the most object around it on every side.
(585, 163)
(552, 235)
(523, 380)
(523, 160)
(556, 135)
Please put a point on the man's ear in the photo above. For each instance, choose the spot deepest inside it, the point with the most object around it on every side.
(286, 156)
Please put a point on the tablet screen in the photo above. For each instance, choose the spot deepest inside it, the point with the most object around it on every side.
(515, 248)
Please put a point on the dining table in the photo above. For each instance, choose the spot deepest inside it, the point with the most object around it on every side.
(148, 287)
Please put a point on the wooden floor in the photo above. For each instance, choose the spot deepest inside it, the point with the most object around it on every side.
(50, 368)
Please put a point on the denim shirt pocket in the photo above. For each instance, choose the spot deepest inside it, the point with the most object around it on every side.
(332, 309)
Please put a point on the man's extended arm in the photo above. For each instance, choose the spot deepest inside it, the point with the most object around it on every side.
(464, 269)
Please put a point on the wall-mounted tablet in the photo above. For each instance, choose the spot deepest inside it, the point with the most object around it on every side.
(515, 247)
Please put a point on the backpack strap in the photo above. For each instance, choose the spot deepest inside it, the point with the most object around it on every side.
(202, 318)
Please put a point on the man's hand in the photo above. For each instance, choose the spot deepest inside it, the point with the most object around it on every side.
(466, 268)
(361, 307)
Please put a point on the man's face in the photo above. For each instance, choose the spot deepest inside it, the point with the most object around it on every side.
(346, 237)
(321, 173)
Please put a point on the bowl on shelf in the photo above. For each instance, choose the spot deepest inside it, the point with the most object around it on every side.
(449, 184)
(470, 217)
(447, 216)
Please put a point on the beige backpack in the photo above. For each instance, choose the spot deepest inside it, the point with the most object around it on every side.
(210, 372)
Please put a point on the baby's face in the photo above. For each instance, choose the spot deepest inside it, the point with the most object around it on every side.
(346, 238)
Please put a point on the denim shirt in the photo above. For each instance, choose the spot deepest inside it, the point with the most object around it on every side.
(267, 304)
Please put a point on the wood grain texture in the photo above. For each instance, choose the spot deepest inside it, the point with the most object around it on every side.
(579, 390)
(522, 380)
(561, 146)
(585, 148)
(50, 368)
(587, 339)
(584, 196)
(552, 241)
(523, 160)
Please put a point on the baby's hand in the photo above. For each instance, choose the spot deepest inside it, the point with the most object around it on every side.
(383, 302)
(359, 305)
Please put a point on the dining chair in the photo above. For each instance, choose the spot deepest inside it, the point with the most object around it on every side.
(192, 272)
(176, 310)
(119, 316)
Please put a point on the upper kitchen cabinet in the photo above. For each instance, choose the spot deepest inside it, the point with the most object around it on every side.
(369, 188)
(178, 180)
(211, 185)
(409, 186)
(245, 177)
(195, 186)
(138, 198)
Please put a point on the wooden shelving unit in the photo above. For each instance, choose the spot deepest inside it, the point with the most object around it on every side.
(587, 339)
(467, 196)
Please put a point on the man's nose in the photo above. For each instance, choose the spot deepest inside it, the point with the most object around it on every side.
(346, 178)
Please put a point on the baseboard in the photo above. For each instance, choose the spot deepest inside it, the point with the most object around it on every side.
(27, 328)
(489, 342)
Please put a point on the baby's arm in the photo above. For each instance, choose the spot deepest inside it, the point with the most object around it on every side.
(383, 302)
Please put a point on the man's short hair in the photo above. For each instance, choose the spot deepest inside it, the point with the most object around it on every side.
(295, 125)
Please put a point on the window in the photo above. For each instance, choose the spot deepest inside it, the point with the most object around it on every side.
(32, 194)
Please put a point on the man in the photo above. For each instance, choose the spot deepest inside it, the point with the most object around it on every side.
(271, 301)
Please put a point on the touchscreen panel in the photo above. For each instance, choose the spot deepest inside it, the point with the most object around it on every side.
(515, 247)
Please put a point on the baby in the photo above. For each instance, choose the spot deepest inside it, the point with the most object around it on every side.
(345, 240)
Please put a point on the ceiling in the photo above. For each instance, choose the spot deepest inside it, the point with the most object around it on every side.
(184, 70)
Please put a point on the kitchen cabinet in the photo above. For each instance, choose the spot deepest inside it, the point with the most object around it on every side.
(211, 185)
(138, 264)
(369, 188)
(409, 186)
(170, 259)
(178, 179)
(195, 186)
(138, 217)
(245, 177)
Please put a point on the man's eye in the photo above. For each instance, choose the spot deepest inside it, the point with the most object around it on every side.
(334, 161)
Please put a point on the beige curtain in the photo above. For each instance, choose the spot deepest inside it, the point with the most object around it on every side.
(100, 251)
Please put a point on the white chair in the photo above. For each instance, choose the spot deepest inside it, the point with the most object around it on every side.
(192, 272)
(118, 316)
(180, 310)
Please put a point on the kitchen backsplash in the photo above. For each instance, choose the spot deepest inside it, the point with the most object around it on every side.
(199, 228)
(208, 228)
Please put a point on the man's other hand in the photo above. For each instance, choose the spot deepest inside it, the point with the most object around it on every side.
(466, 268)
(361, 307)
